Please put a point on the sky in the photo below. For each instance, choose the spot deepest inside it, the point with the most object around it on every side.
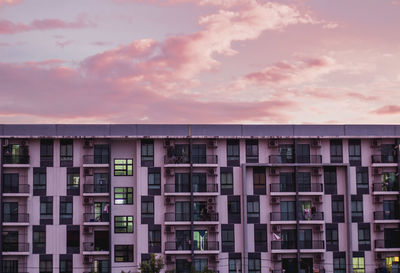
(200, 61)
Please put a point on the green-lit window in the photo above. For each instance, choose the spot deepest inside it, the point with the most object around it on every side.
(123, 196)
(123, 224)
(358, 265)
(123, 166)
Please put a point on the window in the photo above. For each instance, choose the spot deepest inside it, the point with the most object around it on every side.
(123, 224)
(355, 152)
(362, 180)
(233, 152)
(10, 266)
(39, 181)
(338, 208)
(182, 182)
(46, 264)
(147, 211)
(226, 180)
(66, 153)
(253, 209)
(66, 210)
(73, 178)
(339, 262)
(65, 263)
(304, 181)
(73, 239)
(259, 180)
(251, 150)
(389, 182)
(39, 239)
(288, 211)
(254, 265)
(199, 154)
(123, 167)
(286, 182)
(234, 209)
(303, 153)
(199, 183)
(123, 253)
(46, 210)
(100, 184)
(10, 212)
(358, 265)
(286, 153)
(332, 237)
(260, 237)
(330, 180)
(154, 239)
(336, 151)
(235, 263)
(11, 183)
(46, 153)
(123, 196)
(388, 153)
(182, 211)
(200, 264)
(154, 181)
(364, 236)
(228, 238)
(101, 154)
(356, 208)
(147, 153)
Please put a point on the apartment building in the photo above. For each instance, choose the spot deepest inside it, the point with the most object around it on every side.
(230, 198)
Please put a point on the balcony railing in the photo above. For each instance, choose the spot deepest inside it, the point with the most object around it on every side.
(317, 244)
(385, 186)
(21, 188)
(179, 217)
(290, 159)
(205, 217)
(206, 245)
(383, 159)
(96, 217)
(89, 246)
(283, 216)
(178, 245)
(172, 188)
(389, 243)
(386, 215)
(15, 247)
(316, 216)
(16, 159)
(311, 187)
(16, 218)
(196, 159)
(177, 159)
(280, 187)
(336, 159)
(95, 159)
(95, 188)
(320, 270)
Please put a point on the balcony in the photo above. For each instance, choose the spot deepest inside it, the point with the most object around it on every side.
(198, 189)
(16, 161)
(386, 217)
(383, 159)
(290, 159)
(290, 189)
(16, 219)
(204, 160)
(95, 190)
(283, 217)
(91, 248)
(315, 270)
(21, 190)
(95, 161)
(178, 247)
(184, 218)
(387, 245)
(291, 246)
(10, 249)
(385, 188)
(200, 161)
(206, 247)
(96, 219)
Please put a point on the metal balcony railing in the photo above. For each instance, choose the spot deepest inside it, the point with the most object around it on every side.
(315, 244)
(290, 159)
(388, 243)
(172, 188)
(15, 247)
(177, 217)
(316, 216)
(311, 187)
(385, 186)
(96, 217)
(196, 159)
(16, 159)
(95, 159)
(91, 246)
(21, 188)
(16, 218)
(283, 216)
(177, 245)
(383, 159)
(206, 245)
(386, 215)
(95, 188)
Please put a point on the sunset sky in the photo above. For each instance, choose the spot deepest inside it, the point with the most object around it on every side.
(200, 61)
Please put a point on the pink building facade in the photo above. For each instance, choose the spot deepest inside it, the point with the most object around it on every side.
(230, 198)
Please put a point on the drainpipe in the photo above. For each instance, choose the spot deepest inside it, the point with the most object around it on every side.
(191, 193)
(297, 207)
(244, 213)
(1, 202)
(109, 206)
(348, 221)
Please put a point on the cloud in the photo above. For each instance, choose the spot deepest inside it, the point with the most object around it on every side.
(9, 2)
(62, 44)
(8, 27)
(387, 110)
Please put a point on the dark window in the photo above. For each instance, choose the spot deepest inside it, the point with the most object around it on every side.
(66, 153)
(200, 265)
(123, 196)
(338, 208)
(39, 240)
(234, 210)
(73, 239)
(288, 211)
(253, 209)
(259, 180)
(11, 183)
(66, 209)
(123, 224)
(46, 210)
(147, 209)
(199, 181)
(123, 167)
(254, 263)
(182, 182)
(39, 181)
(251, 150)
(123, 253)
(364, 236)
(332, 237)
(226, 177)
(339, 262)
(355, 152)
(101, 154)
(330, 180)
(387, 153)
(66, 263)
(147, 153)
(154, 181)
(182, 211)
(304, 181)
(286, 153)
(287, 183)
(303, 153)
(73, 181)
(362, 180)
(199, 153)
(154, 239)
(46, 153)
(336, 151)
(10, 212)
(46, 264)
(11, 266)
(233, 152)
(235, 262)
(260, 237)
(100, 183)
(228, 238)
(179, 154)
(356, 208)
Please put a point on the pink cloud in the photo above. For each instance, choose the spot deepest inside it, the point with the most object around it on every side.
(8, 27)
(9, 2)
(387, 110)
(62, 44)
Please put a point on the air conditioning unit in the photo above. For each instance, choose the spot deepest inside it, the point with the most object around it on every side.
(213, 229)
(169, 200)
(210, 201)
(316, 171)
(88, 143)
(5, 142)
(87, 200)
(88, 259)
(170, 259)
(212, 143)
(319, 257)
(378, 256)
(273, 171)
(167, 143)
(273, 143)
(87, 230)
(88, 172)
(318, 228)
(378, 227)
(378, 199)
(275, 200)
(377, 171)
(276, 228)
(317, 199)
(376, 143)
(210, 208)
(212, 172)
(276, 257)
(169, 171)
(316, 143)
(169, 229)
